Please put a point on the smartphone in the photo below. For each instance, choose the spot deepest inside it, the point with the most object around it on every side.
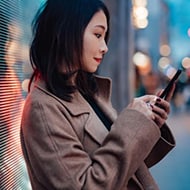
(170, 84)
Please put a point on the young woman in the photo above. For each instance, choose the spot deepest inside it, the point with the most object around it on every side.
(71, 136)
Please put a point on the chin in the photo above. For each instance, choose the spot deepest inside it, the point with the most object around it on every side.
(94, 70)
(91, 70)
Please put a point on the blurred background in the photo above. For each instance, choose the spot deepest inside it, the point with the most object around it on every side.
(149, 41)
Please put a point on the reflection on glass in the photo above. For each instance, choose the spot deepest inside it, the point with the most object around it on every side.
(15, 20)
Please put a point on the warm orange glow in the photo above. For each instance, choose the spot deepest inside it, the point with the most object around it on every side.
(186, 62)
(139, 3)
(165, 50)
(11, 105)
(140, 14)
(143, 62)
(164, 62)
(141, 23)
(25, 85)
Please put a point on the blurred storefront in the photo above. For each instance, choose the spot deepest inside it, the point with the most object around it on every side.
(158, 50)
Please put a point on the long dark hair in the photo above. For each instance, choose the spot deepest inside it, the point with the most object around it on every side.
(58, 30)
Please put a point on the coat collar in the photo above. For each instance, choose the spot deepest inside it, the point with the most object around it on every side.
(79, 105)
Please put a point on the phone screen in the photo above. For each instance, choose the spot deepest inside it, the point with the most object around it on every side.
(170, 84)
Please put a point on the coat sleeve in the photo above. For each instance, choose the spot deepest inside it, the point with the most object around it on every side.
(57, 157)
(164, 145)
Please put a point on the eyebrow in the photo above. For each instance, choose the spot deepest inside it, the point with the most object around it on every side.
(101, 26)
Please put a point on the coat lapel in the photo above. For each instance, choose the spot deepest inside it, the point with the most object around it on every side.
(95, 128)
(93, 125)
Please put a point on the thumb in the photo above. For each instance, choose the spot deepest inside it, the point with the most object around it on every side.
(148, 98)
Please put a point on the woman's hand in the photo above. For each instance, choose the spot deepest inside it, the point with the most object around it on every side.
(153, 107)
(161, 108)
(142, 104)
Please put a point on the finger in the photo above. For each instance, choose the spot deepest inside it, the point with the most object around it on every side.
(160, 117)
(151, 114)
(148, 98)
(160, 112)
(142, 107)
(163, 104)
(148, 110)
(159, 120)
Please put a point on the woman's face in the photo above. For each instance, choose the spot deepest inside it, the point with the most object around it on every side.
(94, 45)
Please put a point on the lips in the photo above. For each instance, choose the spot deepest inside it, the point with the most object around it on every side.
(98, 59)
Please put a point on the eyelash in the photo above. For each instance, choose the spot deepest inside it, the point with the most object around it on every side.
(98, 35)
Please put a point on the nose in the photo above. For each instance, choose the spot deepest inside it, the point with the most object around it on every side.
(103, 48)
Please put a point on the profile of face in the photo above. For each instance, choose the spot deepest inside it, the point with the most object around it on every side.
(94, 44)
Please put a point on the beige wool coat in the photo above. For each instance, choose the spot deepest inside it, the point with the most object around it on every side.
(67, 147)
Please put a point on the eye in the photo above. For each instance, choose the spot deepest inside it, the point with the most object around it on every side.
(98, 35)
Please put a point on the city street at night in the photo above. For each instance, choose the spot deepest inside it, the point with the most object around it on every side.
(56, 114)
